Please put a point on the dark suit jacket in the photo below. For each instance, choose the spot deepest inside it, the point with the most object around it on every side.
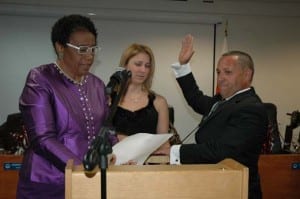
(236, 129)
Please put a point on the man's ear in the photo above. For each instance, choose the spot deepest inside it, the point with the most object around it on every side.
(248, 74)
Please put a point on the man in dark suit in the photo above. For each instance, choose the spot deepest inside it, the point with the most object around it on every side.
(234, 121)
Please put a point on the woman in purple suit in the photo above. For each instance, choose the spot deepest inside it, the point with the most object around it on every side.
(63, 106)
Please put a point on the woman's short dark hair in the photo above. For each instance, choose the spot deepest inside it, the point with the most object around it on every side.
(65, 26)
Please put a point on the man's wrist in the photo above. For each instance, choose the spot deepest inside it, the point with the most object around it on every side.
(181, 70)
(175, 154)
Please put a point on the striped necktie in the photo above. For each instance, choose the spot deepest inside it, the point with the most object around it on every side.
(214, 108)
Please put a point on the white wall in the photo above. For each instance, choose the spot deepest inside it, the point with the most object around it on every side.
(26, 41)
(268, 31)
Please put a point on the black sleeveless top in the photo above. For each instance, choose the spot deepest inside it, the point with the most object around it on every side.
(143, 120)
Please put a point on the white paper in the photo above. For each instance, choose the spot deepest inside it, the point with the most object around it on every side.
(138, 147)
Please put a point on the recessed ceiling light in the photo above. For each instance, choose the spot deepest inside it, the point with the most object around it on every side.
(91, 14)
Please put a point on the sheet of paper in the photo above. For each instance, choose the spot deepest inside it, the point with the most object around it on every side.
(138, 147)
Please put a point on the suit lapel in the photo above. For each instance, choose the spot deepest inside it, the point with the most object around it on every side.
(214, 113)
(229, 103)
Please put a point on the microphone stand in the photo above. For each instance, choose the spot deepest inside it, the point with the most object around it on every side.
(101, 146)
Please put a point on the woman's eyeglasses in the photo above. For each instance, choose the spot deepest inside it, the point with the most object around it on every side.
(82, 50)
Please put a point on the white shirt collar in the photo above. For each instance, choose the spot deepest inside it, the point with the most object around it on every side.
(240, 91)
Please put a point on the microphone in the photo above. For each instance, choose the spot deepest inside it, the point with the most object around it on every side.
(120, 76)
(100, 147)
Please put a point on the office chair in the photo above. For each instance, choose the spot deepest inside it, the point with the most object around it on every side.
(13, 134)
(272, 143)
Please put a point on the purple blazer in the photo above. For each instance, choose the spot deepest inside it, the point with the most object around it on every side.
(61, 118)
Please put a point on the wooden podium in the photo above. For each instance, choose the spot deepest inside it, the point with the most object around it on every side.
(227, 180)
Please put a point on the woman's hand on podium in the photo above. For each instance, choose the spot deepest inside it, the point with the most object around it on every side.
(130, 162)
(162, 151)
(111, 159)
(121, 136)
